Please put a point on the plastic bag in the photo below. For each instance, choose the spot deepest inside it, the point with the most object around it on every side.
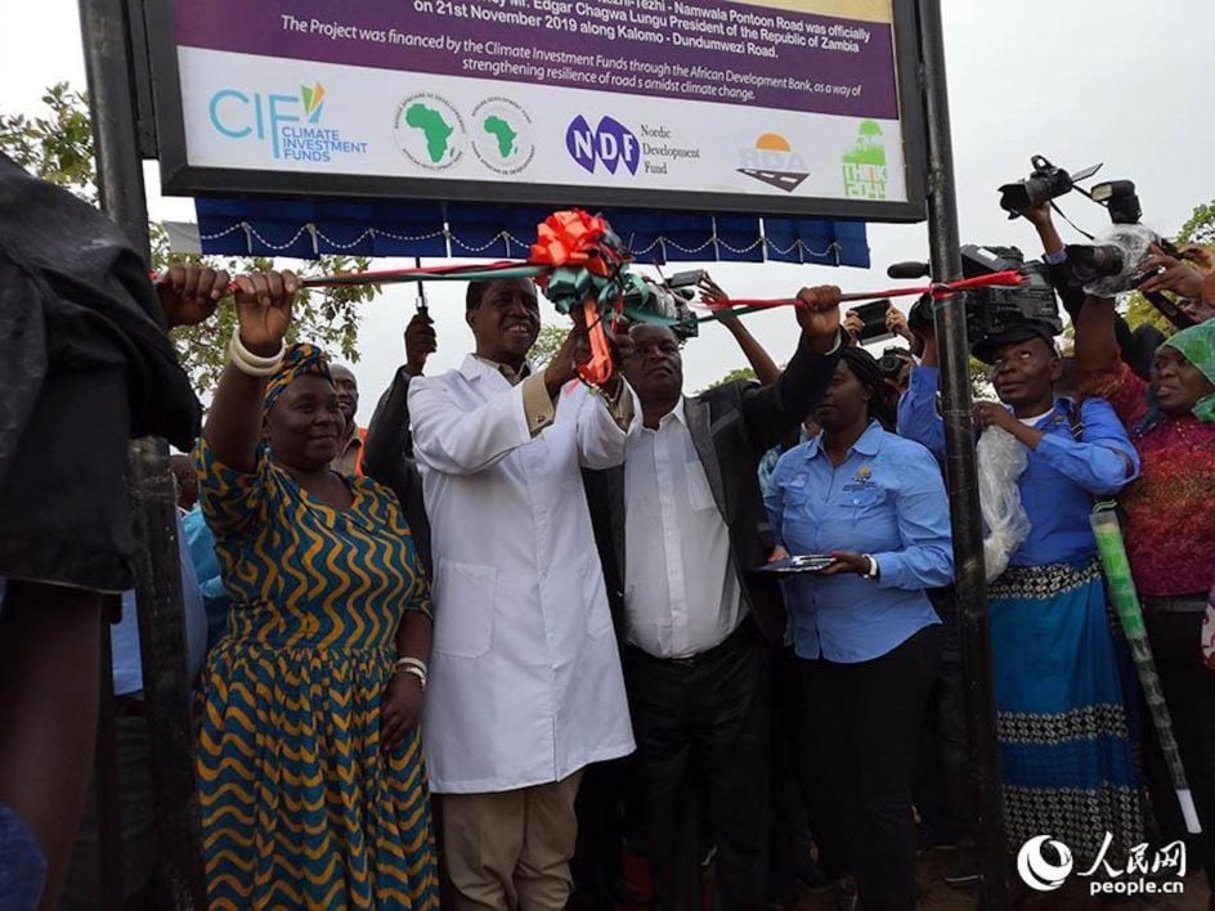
(1001, 459)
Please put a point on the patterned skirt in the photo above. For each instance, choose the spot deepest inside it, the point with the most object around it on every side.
(301, 808)
(1065, 742)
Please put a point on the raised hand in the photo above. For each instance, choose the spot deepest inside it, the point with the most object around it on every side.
(853, 324)
(263, 309)
(896, 322)
(189, 294)
(420, 342)
(818, 314)
(1171, 274)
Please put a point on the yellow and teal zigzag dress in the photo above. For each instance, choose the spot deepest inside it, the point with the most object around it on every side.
(300, 806)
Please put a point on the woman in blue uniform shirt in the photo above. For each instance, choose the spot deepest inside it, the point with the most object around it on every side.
(864, 626)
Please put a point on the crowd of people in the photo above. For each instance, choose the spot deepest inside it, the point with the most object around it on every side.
(521, 627)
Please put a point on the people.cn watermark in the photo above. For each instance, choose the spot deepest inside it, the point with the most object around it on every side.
(1144, 873)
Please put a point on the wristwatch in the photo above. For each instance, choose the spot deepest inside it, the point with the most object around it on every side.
(874, 571)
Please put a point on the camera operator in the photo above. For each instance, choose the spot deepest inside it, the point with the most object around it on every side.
(1053, 651)
(1169, 526)
(1138, 346)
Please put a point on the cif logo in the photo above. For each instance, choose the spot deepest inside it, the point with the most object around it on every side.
(238, 115)
(611, 144)
(1039, 873)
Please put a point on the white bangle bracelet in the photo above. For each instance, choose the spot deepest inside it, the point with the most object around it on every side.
(418, 673)
(252, 364)
(406, 662)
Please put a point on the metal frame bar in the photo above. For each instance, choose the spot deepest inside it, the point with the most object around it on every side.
(178, 177)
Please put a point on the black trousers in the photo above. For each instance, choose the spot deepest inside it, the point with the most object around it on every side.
(867, 718)
(941, 788)
(1189, 692)
(705, 721)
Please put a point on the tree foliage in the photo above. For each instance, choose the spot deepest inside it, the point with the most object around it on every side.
(57, 145)
(739, 373)
(548, 343)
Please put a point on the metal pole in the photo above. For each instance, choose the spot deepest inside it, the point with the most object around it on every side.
(107, 59)
(107, 51)
(962, 474)
(162, 641)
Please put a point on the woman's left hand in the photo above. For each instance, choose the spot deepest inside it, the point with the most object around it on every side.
(846, 562)
(400, 709)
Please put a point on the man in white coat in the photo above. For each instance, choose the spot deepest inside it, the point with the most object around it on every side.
(525, 686)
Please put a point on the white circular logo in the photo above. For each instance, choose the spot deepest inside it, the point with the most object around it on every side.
(430, 131)
(1039, 873)
(501, 135)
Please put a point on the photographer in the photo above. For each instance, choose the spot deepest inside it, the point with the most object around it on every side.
(1169, 526)
(1138, 346)
(1065, 753)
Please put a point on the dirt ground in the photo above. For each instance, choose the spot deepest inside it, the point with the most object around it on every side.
(935, 895)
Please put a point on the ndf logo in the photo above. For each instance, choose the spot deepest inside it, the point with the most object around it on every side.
(773, 161)
(238, 115)
(611, 144)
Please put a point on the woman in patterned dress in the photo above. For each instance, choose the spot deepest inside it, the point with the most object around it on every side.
(311, 776)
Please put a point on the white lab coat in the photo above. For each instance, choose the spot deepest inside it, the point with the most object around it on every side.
(525, 685)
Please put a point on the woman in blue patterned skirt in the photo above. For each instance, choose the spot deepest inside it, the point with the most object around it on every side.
(311, 777)
(1061, 710)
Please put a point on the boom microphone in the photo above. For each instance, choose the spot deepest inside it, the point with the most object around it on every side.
(908, 270)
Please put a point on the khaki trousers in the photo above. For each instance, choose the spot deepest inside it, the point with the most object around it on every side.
(511, 850)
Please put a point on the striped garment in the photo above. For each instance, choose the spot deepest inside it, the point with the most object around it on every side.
(300, 806)
(1061, 711)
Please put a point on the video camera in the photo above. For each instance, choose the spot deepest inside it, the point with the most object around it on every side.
(992, 311)
(667, 302)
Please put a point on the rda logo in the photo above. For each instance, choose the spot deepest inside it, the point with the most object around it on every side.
(774, 162)
(611, 144)
(1039, 873)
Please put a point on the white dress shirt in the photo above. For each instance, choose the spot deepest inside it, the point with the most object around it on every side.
(525, 685)
(681, 595)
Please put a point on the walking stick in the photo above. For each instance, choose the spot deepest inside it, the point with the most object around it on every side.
(1126, 602)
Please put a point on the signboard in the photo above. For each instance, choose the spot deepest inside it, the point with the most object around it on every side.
(795, 107)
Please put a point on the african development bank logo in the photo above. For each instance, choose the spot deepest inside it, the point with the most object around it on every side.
(1044, 864)
(291, 124)
(430, 131)
(502, 136)
(774, 162)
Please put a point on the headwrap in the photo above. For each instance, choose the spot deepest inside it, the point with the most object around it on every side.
(864, 367)
(1197, 345)
(303, 359)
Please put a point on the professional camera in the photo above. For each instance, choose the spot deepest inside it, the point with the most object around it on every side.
(994, 310)
(893, 360)
(1045, 182)
(669, 301)
(1110, 265)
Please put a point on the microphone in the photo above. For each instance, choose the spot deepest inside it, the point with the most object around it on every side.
(908, 270)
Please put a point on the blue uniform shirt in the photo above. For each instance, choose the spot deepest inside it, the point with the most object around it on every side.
(886, 499)
(126, 660)
(1063, 476)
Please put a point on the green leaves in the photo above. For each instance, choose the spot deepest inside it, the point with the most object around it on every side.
(58, 146)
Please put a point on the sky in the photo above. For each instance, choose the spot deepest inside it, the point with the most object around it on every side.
(1124, 82)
